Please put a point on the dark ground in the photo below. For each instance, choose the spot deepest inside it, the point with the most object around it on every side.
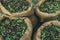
(36, 27)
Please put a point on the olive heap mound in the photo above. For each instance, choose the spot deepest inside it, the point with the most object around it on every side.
(50, 6)
(12, 29)
(50, 33)
(16, 5)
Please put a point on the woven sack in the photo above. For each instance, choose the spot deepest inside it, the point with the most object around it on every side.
(37, 35)
(28, 32)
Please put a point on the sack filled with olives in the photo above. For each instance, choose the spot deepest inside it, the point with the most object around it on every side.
(48, 9)
(13, 28)
(17, 7)
(48, 31)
